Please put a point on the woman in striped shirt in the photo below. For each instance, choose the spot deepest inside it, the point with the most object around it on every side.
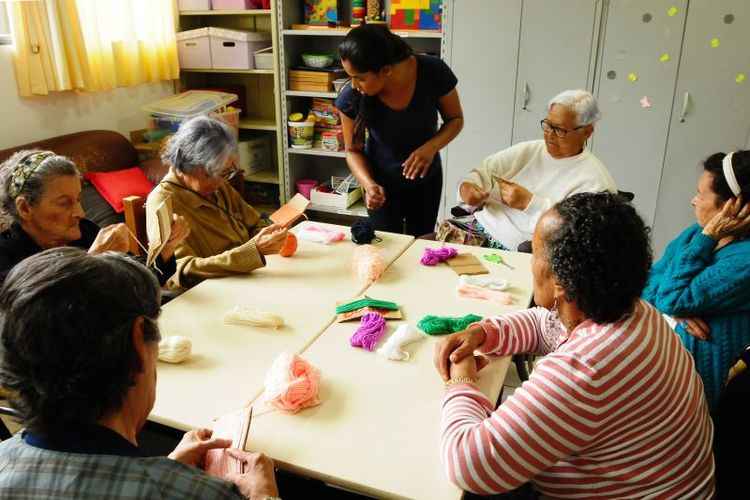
(615, 408)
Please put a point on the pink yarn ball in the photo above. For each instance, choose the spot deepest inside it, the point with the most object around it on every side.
(292, 384)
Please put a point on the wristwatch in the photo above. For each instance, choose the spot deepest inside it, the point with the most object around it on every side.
(460, 380)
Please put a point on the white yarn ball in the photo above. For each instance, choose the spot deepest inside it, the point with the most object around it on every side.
(175, 349)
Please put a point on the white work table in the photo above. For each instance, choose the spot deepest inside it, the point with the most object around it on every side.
(377, 430)
(227, 368)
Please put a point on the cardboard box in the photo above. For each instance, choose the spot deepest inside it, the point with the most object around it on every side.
(255, 155)
(334, 199)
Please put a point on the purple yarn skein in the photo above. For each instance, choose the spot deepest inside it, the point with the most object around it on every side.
(371, 329)
(434, 256)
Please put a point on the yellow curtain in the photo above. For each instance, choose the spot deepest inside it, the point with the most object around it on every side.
(93, 45)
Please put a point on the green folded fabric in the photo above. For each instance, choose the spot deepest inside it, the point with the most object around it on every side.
(441, 325)
(366, 302)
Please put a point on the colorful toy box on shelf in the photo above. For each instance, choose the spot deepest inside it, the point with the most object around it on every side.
(328, 12)
(416, 14)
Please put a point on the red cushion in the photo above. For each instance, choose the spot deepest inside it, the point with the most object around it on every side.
(116, 185)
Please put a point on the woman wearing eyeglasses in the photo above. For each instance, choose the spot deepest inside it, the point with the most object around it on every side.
(514, 187)
(225, 236)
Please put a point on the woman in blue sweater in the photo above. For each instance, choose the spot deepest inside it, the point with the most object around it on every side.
(703, 279)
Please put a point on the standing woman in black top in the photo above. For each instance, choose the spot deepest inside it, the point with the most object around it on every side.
(396, 95)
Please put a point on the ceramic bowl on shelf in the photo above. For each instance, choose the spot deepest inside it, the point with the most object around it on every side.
(317, 60)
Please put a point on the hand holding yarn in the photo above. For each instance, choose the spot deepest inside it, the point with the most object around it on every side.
(175, 349)
(292, 383)
(434, 256)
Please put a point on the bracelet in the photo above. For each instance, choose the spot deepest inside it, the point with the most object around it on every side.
(460, 380)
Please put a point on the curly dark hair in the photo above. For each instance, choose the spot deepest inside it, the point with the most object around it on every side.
(600, 254)
(65, 321)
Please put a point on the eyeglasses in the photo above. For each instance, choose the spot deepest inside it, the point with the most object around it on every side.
(548, 128)
(228, 175)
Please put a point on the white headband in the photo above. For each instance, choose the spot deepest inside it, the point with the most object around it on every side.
(726, 164)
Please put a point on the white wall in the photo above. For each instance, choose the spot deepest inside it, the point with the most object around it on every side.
(24, 120)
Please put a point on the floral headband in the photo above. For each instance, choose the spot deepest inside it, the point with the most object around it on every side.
(25, 169)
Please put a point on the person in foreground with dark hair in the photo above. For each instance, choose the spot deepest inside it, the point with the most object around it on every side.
(614, 408)
(79, 349)
(702, 282)
(396, 95)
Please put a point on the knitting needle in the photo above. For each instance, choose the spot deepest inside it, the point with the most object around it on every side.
(245, 434)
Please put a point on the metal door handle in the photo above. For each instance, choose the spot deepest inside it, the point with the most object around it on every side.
(526, 95)
(685, 104)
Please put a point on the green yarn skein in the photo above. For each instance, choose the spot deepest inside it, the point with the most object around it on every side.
(440, 325)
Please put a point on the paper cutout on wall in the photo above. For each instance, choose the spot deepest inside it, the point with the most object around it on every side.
(715, 43)
(632, 77)
(740, 78)
(645, 102)
(664, 57)
(672, 11)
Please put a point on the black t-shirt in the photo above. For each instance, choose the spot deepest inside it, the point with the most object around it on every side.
(394, 135)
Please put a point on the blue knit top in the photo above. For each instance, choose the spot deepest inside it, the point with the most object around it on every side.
(694, 279)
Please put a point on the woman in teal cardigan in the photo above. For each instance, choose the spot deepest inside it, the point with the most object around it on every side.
(703, 279)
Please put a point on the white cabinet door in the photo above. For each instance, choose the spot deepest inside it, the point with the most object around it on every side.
(483, 53)
(711, 107)
(555, 54)
(637, 74)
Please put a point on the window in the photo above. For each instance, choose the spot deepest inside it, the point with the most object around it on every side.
(4, 25)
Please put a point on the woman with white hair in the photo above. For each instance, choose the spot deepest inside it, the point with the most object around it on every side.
(225, 237)
(514, 187)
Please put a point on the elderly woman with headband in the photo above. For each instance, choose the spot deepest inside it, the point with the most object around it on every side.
(41, 192)
(225, 237)
(511, 189)
(702, 281)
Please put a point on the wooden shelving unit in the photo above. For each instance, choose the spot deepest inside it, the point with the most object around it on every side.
(262, 86)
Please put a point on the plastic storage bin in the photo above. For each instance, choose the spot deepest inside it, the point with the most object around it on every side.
(237, 4)
(194, 4)
(264, 58)
(194, 49)
(233, 49)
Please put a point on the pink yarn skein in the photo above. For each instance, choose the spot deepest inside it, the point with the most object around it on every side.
(371, 329)
(434, 256)
(292, 383)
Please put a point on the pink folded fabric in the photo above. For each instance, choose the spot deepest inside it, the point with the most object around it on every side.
(320, 234)
(476, 292)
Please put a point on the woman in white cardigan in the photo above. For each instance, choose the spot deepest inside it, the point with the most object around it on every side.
(514, 187)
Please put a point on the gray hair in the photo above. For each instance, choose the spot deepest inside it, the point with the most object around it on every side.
(66, 320)
(35, 184)
(201, 142)
(582, 102)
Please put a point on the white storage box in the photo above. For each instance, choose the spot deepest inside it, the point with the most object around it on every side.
(255, 155)
(194, 5)
(233, 49)
(194, 49)
(334, 199)
(264, 58)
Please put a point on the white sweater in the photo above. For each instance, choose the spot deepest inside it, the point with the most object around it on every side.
(549, 180)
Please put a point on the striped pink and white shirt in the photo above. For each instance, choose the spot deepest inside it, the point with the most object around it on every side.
(614, 410)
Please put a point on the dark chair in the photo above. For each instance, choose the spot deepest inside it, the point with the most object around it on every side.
(4, 431)
(731, 434)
